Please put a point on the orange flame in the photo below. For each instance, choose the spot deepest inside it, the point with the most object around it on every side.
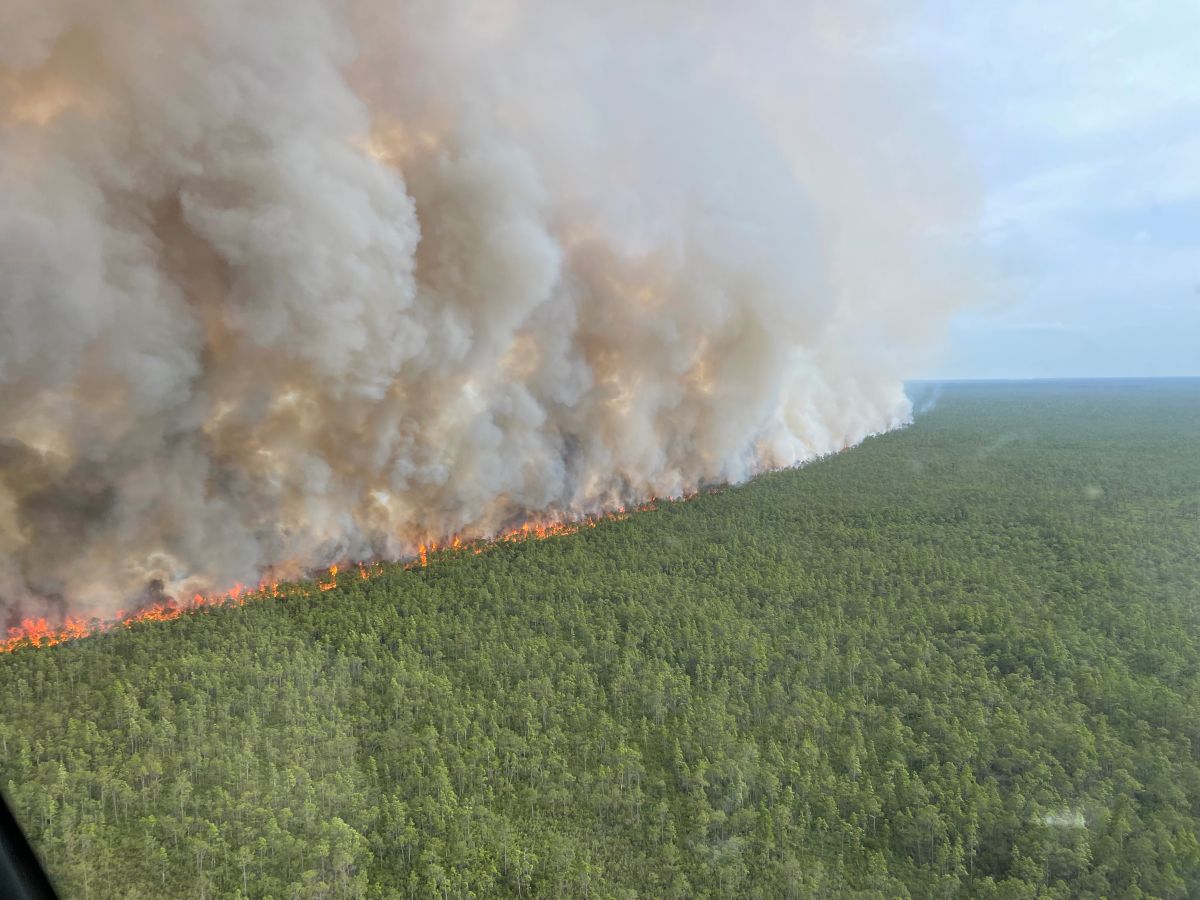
(332, 582)
(37, 632)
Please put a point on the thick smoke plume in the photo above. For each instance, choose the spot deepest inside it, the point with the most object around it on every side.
(286, 283)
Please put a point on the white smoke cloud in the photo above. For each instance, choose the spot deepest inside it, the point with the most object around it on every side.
(287, 283)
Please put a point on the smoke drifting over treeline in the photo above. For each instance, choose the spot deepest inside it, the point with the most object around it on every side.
(286, 283)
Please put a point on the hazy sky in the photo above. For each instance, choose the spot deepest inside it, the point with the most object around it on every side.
(1083, 117)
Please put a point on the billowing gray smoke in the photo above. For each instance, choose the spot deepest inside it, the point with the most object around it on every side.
(284, 283)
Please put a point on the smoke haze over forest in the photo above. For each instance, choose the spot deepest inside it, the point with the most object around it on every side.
(283, 284)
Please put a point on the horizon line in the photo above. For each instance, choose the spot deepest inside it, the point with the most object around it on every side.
(1030, 378)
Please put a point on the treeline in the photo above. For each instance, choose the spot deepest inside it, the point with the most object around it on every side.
(960, 660)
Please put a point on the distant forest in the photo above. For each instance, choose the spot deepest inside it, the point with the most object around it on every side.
(960, 660)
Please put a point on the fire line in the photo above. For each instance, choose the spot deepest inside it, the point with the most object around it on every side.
(37, 632)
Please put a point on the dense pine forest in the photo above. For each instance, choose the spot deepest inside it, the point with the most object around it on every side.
(962, 659)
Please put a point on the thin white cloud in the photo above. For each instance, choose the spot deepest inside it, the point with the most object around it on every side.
(1084, 116)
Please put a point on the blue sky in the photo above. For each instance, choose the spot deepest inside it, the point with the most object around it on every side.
(1083, 118)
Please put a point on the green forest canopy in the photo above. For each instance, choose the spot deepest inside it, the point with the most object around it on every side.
(962, 659)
